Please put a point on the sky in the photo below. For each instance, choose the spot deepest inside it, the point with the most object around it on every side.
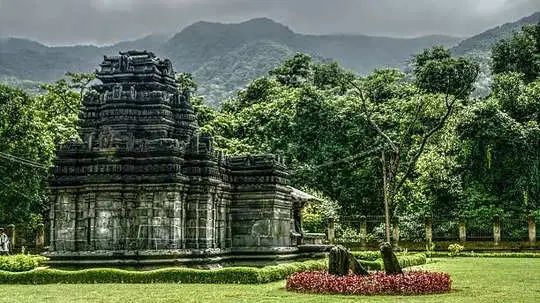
(67, 22)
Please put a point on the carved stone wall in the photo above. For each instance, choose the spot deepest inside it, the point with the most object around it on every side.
(143, 178)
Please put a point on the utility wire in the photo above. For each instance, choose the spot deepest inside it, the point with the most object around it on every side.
(346, 159)
(20, 160)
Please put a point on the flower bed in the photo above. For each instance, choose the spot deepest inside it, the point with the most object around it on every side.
(410, 283)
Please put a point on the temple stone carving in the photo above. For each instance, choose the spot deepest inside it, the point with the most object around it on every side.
(144, 181)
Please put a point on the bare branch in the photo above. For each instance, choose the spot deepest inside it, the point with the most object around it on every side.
(412, 164)
(367, 115)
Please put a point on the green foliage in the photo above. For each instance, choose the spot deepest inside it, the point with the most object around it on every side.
(440, 254)
(186, 84)
(520, 54)
(31, 127)
(295, 71)
(436, 71)
(455, 249)
(230, 275)
(315, 215)
(20, 262)
(372, 259)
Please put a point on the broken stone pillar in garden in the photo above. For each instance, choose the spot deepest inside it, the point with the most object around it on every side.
(395, 232)
(462, 231)
(496, 230)
(532, 229)
(12, 235)
(429, 230)
(331, 230)
(40, 237)
(391, 263)
(363, 232)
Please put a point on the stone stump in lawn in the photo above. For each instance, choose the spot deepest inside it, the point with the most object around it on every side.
(391, 263)
(341, 260)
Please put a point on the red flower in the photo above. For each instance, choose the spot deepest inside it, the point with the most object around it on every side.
(410, 283)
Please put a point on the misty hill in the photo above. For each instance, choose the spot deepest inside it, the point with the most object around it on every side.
(485, 40)
(222, 57)
(478, 48)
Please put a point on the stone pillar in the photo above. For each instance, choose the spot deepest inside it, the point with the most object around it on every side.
(331, 231)
(496, 230)
(40, 237)
(363, 232)
(532, 229)
(462, 231)
(395, 232)
(429, 230)
(12, 236)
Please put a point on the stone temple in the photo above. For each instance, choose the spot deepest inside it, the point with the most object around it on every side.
(142, 185)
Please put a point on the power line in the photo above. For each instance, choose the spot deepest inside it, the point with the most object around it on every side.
(20, 160)
(346, 159)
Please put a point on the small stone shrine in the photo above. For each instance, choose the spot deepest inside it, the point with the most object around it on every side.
(143, 185)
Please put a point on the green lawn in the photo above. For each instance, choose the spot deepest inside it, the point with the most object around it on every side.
(475, 280)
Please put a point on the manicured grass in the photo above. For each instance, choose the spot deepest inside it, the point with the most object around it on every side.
(475, 280)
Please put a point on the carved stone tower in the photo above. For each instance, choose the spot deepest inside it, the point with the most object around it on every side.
(144, 181)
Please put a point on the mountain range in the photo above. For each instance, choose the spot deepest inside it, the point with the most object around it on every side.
(224, 57)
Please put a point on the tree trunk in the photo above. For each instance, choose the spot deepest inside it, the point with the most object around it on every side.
(391, 263)
(386, 198)
(341, 260)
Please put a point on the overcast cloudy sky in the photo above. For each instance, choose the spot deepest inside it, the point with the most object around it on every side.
(105, 21)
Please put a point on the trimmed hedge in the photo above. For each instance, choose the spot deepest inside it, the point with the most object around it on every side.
(371, 260)
(231, 275)
(20, 262)
(368, 255)
(440, 254)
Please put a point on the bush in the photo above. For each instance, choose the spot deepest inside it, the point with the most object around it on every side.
(20, 262)
(231, 275)
(455, 249)
(367, 255)
(410, 283)
(371, 260)
(438, 254)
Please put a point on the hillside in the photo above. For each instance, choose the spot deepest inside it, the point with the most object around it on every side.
(485, 40)
(478, 47)
(222, 57)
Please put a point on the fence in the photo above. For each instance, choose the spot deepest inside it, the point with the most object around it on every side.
(363, 229)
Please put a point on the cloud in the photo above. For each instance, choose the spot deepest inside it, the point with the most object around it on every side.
(108, 21)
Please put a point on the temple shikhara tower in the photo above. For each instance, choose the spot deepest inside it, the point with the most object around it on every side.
(142, 181)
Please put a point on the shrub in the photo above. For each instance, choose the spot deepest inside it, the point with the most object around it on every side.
(410, 283)
(232, 275)
(367, 255)
(455, 249)
(20, 262)
(371, 260)
(438, 254)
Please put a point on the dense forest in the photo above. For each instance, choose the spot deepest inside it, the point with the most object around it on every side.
(418, 141)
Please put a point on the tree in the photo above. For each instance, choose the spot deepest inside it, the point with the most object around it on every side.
(519, 54)
(404, 139)
(294, 71)
(31, 127)
(436, 71)
(186, 84)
